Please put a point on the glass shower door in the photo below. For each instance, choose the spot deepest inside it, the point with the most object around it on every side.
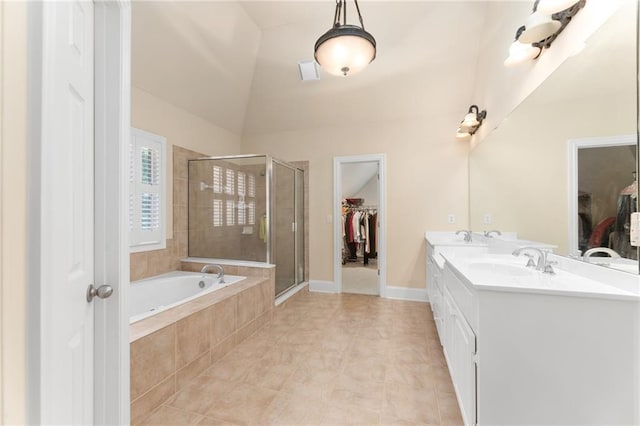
(283, 243)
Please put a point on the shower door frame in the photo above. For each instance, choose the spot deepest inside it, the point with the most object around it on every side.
(298, 204)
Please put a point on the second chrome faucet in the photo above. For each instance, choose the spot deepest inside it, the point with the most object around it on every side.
(205, 269)
(543, 263)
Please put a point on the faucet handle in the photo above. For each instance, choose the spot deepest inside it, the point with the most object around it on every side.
(548, 268)
(530, 262)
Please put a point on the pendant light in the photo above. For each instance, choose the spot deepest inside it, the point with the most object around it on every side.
(345, 49)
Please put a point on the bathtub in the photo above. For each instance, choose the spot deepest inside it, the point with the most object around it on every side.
(156, 294)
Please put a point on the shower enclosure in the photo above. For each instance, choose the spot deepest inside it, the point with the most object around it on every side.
(251, 208)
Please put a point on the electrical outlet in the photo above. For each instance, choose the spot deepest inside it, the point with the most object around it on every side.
(486, 219)
(451, 218)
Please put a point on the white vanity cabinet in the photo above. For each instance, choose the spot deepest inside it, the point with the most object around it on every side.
(546, 356)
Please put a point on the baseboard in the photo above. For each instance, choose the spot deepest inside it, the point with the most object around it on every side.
(323, 286)
(406, 293)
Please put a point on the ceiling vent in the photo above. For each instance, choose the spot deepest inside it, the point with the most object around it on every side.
(309, 70)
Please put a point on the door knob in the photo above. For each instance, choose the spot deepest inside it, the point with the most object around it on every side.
(102, 292)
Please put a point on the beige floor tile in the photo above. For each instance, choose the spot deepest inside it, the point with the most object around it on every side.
(269, 376)
(449, 410)
(290, 409)
(349, 415)
(416, 375)
(245, 404)
(198, 396)
(406, 403)
(348, 390)
(170, 417)
(332, 360)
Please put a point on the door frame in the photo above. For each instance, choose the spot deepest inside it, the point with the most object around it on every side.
(112, 46)
(380, 159)
(112, 27)
(573, 146)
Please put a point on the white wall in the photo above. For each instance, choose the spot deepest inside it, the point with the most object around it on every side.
(181, 128)
(499, 89)
(13, 212)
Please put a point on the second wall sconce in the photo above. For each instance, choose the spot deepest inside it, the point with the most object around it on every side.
(548, 20)
(472, 120)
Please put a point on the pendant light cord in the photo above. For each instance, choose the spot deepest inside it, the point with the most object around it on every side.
(359, 14)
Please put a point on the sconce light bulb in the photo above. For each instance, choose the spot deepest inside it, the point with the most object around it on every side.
(538, 27)
(462, 133)
(520, 53)
(470, 120)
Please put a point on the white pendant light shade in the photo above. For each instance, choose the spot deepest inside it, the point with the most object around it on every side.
(549, 7)
(345, 50)
(462, 134)
(520, 53)
(538, 27)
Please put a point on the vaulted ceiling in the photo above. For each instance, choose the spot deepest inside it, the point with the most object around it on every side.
(235, 63)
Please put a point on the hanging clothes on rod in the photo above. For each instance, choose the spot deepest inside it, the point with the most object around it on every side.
(359, 236)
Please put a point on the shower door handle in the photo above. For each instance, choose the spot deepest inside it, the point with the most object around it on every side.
(103, 292)
(294, 226)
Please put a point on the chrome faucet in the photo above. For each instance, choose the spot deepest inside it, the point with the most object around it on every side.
(488, 233)
(467, 235)
(543, 264)
(205, 269)
(588, 254)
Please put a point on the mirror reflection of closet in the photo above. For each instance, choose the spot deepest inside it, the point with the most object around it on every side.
(606, 198)
(360, 195)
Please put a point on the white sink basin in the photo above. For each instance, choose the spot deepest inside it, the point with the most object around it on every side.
(500, 268)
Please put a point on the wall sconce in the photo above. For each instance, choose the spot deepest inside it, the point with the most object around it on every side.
(472, 120)
(542, 27)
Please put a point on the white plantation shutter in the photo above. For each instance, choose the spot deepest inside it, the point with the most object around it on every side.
(217, 179)
(251, 213)
(230, 182)
(251, 185)
(216, 217)
(242, 183)
(230, 213)
(147, 175)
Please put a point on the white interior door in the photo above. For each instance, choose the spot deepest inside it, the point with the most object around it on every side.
(67, 227)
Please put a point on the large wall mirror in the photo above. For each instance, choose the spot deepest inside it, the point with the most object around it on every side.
(557, 169)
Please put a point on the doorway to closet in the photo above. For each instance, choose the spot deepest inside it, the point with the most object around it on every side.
(359, 214)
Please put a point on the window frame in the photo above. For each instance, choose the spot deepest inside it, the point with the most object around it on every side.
(158, 240)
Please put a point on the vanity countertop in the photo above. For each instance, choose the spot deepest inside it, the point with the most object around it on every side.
(504, 272)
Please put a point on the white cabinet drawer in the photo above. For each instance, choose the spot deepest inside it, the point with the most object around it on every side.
(464, 297)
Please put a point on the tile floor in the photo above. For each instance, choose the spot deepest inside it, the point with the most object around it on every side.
(326, 360)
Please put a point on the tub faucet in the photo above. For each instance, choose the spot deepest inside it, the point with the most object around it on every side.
(587, 254)
(543, 264)
(488, 233)
(467, 235)
(205, 269)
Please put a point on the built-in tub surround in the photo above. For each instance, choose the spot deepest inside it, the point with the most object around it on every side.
(157, 294)
(174, 346)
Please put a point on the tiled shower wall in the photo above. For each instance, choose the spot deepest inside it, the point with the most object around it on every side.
(227, 241)
(155, 262)
(149, 263)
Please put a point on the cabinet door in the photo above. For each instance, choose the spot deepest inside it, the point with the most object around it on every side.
(460, 350)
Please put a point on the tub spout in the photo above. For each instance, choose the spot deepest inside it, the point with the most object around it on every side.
(205, 269)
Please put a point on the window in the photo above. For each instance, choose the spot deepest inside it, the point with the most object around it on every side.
(147, 171)
(241, 183)
(217, 212)
(217, 179)
(242, 213)
(251, 212)
(251, 187)
(230, 182)
(230, 213)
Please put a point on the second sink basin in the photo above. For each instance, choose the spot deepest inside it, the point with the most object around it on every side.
(500, 268)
